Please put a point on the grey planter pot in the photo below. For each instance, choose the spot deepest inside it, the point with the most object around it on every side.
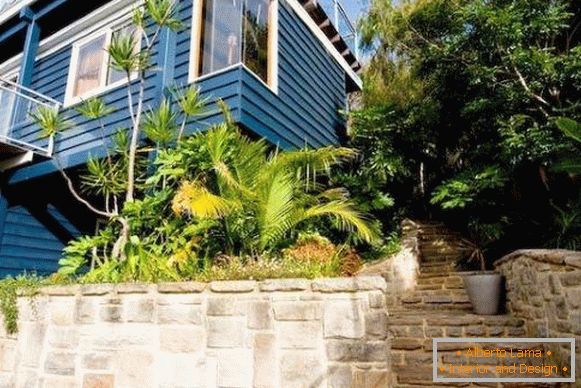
(484, 290)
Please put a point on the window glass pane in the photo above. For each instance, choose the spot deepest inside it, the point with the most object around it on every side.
(89, 66)
(255, 46)
(221, 35)
(115, 75)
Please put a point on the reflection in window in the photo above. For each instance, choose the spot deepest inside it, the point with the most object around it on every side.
(235, 31)
(89, 66)
(92, 70)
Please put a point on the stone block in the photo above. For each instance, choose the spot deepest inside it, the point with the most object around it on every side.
(299, 334)
(181, 288)
(294, 366)
(343, 319)
(117, 336)
(260, 315)
(25, 378)
(236, 287)
(140, 310)
(7, 355)
(184, 370)
(178, 299)
(32, 309)
(62, 312)
(60, 290)
(403, 343)
(574, 297)
(284, 285)
(357, 351)
(133, 288)
(376, 300)
(55, 381)
(181, 314)
(226, 332)
(97, 361)
(297, 311)
(63, 337)
(575, 322)
(97, 289)
(340, 376)
(31, 340)
(60, 363)
(226, 306)
(111, 313)
(363, 283)
(371, 379)
(98, 381)
(182, 339)
(376, 324)
(475, 331)
(234, 367)
(85, 311)
(265, 375)
(570, 279)
(134, 368)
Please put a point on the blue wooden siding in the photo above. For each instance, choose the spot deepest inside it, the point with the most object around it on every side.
(304, 112)
(27, 245)
(311, 91)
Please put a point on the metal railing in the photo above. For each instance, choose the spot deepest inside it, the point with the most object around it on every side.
(17, 107)
(344, 25)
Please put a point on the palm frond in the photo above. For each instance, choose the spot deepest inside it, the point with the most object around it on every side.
(348, 219)
(307, 164)
(196, 200)
(276, 205)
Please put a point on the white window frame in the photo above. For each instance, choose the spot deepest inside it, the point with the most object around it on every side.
(70, 99)
(273, 49)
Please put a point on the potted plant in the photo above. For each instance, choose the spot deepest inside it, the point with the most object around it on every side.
(484, 287)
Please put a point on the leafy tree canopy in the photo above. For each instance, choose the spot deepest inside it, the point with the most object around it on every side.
(460, 110)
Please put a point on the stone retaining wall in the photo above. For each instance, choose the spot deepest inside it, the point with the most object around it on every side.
(283, 333)
(544, 289)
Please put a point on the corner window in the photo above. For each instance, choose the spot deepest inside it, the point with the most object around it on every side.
(231, 32)
(90, 71)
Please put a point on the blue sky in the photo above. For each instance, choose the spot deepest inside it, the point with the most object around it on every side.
(354, 7)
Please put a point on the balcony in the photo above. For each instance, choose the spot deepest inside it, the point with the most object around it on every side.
(20, 140)
(333, 20)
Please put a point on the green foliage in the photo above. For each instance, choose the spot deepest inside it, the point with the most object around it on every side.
(161, 125)
(10, 290)
(569, 163)
(216, 193)
(49, 120)
(467, 187)
(94, 108)
(261, 198)
(461, 112)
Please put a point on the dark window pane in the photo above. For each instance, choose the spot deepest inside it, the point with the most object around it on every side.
(255, 49)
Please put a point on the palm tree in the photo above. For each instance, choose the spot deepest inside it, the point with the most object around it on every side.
(261, 196)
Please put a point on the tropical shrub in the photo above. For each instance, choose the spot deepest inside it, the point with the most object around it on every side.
(459, 114)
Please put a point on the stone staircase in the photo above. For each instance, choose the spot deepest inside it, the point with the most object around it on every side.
(437, 307)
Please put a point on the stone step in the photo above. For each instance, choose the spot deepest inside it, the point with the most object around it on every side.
(440, 259)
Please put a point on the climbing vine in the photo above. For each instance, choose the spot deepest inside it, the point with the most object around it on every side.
(10, 290)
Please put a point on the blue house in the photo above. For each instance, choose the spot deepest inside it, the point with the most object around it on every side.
(287, 84)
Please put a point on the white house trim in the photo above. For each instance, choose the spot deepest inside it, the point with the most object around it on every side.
(14, 9)
(117, 10)
(104, 87)
(306, 18)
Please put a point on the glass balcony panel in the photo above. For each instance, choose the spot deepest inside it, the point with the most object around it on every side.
(17, 128)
